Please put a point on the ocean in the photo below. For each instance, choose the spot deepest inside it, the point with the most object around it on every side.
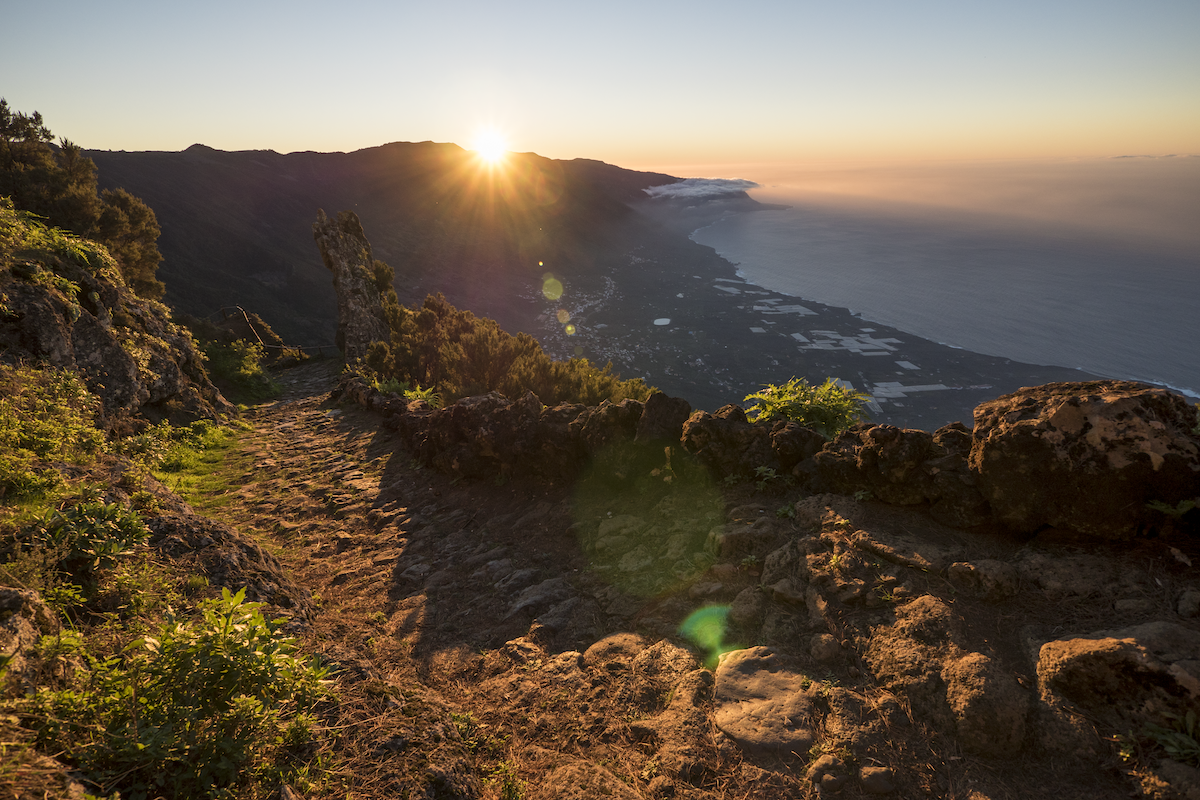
(1046, 292)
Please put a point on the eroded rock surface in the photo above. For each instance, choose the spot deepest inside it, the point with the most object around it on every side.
(1087, 457)
(77, 314)
(347, 254)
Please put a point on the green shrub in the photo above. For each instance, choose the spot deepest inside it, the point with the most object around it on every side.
(827, 409)
(457, 354)
(92, 535)
(196, 710)
(237, 369)
(46, 415)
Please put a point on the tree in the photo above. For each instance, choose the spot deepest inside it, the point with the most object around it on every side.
(59, 184)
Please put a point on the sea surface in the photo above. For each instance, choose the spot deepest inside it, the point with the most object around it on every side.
(1044, 293)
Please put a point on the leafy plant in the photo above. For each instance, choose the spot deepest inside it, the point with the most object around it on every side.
(237, 368)
(827, 409)
(46, 415)
(764, 476)
(1179, 741)
(92, 535)
(460, 354)
(188, 712)
(1176, 511)
(427, 394)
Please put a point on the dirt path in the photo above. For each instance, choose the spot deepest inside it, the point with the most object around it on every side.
(524, 641)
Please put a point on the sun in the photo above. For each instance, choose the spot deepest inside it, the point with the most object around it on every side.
(489, 145)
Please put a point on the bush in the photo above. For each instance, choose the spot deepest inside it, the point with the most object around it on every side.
(91, 535)
(827, 409)
(46, 415)
(458, 354)
(237, 369)
(194, 711)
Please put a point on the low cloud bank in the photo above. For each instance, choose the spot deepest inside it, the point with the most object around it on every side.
(701, 188)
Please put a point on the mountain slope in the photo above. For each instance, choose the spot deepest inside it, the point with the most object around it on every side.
(237, 225)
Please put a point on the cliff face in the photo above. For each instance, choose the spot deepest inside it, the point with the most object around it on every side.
(63, 303)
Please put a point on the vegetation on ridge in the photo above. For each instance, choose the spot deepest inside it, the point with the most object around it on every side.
(458, 354)
(827, 409)
(58, 183)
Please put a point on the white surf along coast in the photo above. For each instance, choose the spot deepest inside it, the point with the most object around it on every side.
(990, 284)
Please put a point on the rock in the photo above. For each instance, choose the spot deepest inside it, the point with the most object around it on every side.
(746, 611)
(125, 349)
(907, 656)
(728, 443)
(581, 781)
(541, 597)
(1183, 779)
(608, 424)
(956, 499)
(1066, 576)
(986, 578)
(989, 706)
(347, 254)
(24, 620)
(877, 780)
(1189, 604)
(1126, 678)
(822, 766)
(825, 648)
(882, 459)
(761, 705)
(793, 443)
(662, 419)
(1086, 457)
(228, 559)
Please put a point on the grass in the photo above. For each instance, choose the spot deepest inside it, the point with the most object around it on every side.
(201, 464)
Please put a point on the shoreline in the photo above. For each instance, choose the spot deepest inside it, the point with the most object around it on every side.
(1112, 355)
(727, 337)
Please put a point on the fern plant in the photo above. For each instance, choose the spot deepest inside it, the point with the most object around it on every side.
(827, 409)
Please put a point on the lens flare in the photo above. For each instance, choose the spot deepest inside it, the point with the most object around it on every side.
(552, 288)
(570, 329)
(564, 316)
(706, 628)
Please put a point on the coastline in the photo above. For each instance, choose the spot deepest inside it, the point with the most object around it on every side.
(1101, 309)
(727, 337)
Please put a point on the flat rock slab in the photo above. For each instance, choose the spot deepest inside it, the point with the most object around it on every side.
(582, 781)
(761, 705)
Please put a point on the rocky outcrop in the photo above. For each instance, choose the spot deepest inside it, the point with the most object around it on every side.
(1088, 457)
(24, 620)
(227, 559)
(70, 308)
(1095, 458)
(347, 254)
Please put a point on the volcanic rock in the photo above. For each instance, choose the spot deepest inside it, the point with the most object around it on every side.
(347, 254)
(1087, 457)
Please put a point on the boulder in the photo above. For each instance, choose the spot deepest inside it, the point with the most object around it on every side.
(882, 459)
(1086, 457)
(728, 443)
(1124, 679)
(347, 254)
(663, 418)
(77, 314)
(761, 705)
(989, 706)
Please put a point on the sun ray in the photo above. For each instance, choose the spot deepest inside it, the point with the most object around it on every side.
(489, 145)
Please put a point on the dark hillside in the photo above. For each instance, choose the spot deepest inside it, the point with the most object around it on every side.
(237, 225)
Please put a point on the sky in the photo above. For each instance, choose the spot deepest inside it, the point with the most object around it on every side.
(691, 88)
